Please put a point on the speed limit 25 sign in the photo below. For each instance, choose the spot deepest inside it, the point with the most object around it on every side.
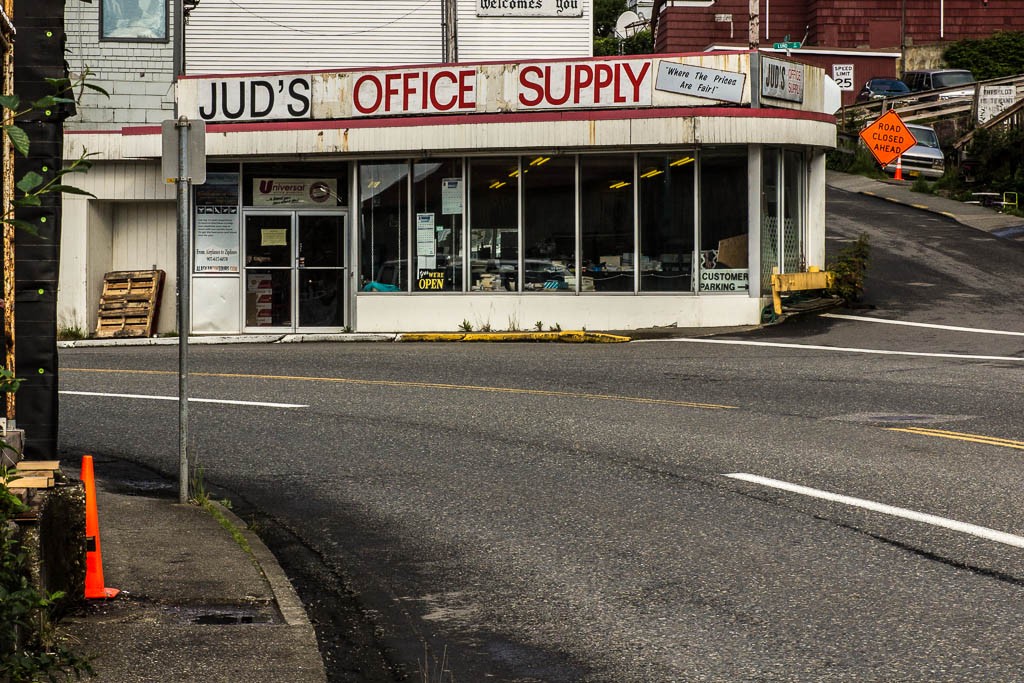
(842, 74)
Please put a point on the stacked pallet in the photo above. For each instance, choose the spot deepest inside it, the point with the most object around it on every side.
(130, 303)
(34, 474)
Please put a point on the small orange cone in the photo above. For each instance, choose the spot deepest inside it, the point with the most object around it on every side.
(94, 588)
(899, 168)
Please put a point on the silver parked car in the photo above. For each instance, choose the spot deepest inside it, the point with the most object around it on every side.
(923, 159)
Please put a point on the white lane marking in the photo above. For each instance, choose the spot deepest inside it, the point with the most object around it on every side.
(191, 400)
(845, 349)
(934, 520)
(953, 328)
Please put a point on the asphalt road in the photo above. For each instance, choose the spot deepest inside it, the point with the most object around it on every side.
(629, 512)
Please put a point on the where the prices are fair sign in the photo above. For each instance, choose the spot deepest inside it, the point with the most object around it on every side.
(888, 137)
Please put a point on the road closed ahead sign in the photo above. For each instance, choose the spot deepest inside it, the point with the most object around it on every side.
(888, 137)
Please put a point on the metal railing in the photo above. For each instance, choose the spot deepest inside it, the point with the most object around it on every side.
(926, 106)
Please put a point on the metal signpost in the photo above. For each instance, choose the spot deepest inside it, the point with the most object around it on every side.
(184, 164)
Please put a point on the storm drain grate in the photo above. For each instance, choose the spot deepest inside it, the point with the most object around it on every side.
(223, 615)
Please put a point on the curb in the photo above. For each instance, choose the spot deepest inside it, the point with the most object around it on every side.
(292, 610)
(572, 337)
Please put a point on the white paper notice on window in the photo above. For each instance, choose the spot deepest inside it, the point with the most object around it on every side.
(451, 196)
(425, 243)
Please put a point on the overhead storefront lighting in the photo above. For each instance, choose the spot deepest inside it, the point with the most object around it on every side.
(497, 183)
(651, 173)
(373, 184)
(540, 161)
(681, 162)
(619, 185)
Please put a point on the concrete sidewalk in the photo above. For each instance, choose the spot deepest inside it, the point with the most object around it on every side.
(195, 605)
(899, 192)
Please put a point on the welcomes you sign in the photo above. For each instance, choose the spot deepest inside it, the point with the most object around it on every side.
(529, 8)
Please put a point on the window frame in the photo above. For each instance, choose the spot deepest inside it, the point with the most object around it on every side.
(104, 38)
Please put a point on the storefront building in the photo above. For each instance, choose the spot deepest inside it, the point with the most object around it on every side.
(611, 194)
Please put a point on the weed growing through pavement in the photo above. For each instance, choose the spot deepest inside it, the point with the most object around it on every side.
(439, 672)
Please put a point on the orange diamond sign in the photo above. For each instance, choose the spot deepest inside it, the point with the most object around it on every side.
(888, 137)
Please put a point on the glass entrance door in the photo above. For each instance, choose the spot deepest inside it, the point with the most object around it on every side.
(294, 271)
(320, 261)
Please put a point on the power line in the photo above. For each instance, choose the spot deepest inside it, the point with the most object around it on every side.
(330, 35)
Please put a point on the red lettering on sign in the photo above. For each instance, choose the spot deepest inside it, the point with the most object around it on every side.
(408, 88)
(466, 88)
(586, 84)
(604, 76)
(434, 87)
(583, 78)
(357, 90)
(525, 82)
(390, 88)
(637, 79)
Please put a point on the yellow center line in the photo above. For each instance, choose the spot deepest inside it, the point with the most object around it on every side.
(960, 436)
(421, 385)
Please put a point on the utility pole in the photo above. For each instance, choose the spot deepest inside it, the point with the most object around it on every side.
(903, 37)
(755, 21)
(8, 209)
(449, 32)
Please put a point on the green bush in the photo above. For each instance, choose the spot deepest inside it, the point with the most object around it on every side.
(27, 648)
(999, 55)
(850, 266)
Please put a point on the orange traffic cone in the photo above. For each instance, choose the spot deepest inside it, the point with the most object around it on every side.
(899, 168)
(94, 588)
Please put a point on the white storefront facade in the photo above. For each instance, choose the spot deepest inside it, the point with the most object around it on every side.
(615, 193)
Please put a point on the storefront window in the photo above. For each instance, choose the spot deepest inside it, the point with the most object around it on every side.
(770, 160)
(549, 223)
(723, 223)
(606, 217)
(782, 211)
(494, 224)
(437, 199)
(383, 226)
(666, 222)
(133, 20)
(793, 203)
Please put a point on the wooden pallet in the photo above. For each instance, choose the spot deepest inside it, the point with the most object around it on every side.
(130, 303)
(34, 474)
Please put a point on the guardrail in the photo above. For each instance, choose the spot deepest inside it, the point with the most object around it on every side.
(925, 106)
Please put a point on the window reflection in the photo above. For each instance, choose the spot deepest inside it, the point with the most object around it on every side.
(723, 224)
(580, 218)
(383, 212)
(793, 202)
(606, 215)
(437, 205)
(140, 20)
(549, 223)
(666, 222)
(494, 224)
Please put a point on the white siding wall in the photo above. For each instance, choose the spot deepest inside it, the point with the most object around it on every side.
(137, 75)
(483, 39)
(130, 225)
(275, 35)
(145, 238)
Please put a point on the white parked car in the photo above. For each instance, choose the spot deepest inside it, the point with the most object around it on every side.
(923, 159)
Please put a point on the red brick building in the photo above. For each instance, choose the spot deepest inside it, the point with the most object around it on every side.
(693, 25)
(862, 39)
